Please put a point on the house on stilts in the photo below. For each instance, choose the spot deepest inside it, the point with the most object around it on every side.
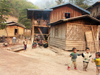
(39, 22)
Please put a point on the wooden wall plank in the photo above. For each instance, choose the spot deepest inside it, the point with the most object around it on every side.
(60, 43)
(57, 14)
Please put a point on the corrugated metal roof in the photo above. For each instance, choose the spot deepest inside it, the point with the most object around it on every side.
(30, 12)
(75, 18)
(72, 5)
(40, 9)
(93, 5)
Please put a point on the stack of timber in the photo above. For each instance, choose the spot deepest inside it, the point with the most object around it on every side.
(17, 48)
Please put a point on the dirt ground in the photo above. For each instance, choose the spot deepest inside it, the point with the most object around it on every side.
(40, 61)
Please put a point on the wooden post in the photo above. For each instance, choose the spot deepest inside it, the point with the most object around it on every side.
(32, 27)
(49, 37)
(41, 33)
(32, 33)
(93, 38)
(98, 39)
(31, 30)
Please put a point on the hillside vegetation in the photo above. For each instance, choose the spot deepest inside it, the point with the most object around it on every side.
(18, 9)
(17, 6)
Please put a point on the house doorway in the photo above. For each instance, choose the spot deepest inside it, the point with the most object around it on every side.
(16, 31)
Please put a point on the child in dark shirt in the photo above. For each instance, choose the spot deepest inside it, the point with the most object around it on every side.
(73, 56)
(45, 44)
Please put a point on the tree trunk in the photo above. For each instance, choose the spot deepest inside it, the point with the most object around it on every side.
(6, 31)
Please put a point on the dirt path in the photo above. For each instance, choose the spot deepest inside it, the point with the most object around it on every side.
(39, 61)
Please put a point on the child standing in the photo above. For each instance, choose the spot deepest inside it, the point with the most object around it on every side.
(73, 56)
(25, 44)
(97, 62)
(86, 55)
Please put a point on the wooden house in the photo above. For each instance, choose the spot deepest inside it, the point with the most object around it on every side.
(12, 29)
(39, 22)
(79, 32)
(95, 10)
(71, 26)
(67, 10)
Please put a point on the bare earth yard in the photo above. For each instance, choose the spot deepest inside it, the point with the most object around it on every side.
(40, 61)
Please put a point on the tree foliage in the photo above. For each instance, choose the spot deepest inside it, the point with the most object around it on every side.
(18, 5)
(19, 10)
(23, 19)
(4, 10)
(81, 3)
(60, 2)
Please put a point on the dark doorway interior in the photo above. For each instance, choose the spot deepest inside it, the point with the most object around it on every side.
(16, 31)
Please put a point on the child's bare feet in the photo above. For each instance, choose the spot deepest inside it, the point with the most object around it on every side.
(84, 70)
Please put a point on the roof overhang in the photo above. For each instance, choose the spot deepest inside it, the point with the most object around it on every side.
(85, 17)
(14, 23)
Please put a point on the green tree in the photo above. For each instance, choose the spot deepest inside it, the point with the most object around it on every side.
(4, 10)
(81, 3)
(60, 2)
(23, 19)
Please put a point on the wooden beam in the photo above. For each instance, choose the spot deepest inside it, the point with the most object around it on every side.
(41, 33)
(49, 37)
(41, 26)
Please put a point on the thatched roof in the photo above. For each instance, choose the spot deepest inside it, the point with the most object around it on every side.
(14, 23)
